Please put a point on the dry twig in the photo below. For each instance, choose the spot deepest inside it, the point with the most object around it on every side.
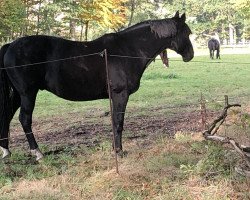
(209, 134)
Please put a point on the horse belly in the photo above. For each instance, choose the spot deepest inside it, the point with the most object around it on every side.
(76, 84)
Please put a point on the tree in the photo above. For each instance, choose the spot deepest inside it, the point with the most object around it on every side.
(12, 17)
(213, 16)
(69, 16)
(76, 19)
(132, 11)
(32, 17)
(110, 13)
(141, 10)
(243, 9)
(49, 24)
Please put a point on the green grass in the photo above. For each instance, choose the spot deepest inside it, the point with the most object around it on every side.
(180, 84)
(212, 79)
(22, 165)
(163, 168)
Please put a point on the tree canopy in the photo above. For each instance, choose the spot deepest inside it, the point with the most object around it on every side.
(88, 19)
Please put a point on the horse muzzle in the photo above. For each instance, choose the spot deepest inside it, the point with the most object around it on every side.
(187, 59)
(188, 56)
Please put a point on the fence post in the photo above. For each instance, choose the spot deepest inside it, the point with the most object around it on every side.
(111, 107)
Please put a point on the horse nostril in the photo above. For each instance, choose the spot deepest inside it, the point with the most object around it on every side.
(188, 57)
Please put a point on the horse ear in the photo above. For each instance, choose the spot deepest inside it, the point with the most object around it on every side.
(183, 17)
(176, 14)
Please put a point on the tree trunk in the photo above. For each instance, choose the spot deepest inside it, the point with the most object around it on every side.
(86, 30)
(231, 34)
(27, 18)
(81, 31)
(132, 12)
(72, 30)
(38, 17)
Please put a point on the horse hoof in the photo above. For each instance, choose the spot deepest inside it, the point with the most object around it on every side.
(6, 153)
(122, 153)
(37, 153)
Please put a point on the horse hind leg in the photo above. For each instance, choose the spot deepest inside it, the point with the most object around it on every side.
(218, 54)
(13, 105)
(4, 139)
(212, 54)
(25, 117)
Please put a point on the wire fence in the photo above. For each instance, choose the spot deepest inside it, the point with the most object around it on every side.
(175, 108)
(67, 122)
(101, 54)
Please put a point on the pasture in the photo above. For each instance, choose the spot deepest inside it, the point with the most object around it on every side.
(167, 157)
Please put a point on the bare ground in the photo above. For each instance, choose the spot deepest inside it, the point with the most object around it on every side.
(60, 132)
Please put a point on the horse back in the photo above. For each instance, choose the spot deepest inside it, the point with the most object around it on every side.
(55, 64)
(213, 44)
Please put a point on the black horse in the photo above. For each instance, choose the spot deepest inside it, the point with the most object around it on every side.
(213, 45)
(34, 63)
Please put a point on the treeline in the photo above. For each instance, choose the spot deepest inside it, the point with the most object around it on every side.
(66, 18)
(88, 19)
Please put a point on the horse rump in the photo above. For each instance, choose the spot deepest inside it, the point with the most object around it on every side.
(214, 45)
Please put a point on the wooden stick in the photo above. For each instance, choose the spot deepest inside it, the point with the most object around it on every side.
(209, 134)
(212, 129)
(203, 112)
(111, 108)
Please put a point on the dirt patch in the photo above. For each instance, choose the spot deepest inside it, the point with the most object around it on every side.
(58, 131)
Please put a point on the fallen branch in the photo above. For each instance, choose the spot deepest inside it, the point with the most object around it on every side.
(209, 134)
(243, 172)
(221, 118)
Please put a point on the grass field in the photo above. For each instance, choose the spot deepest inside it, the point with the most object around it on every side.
(161, 163)
(180, 84)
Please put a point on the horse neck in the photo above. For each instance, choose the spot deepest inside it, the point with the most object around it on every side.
(147, 45)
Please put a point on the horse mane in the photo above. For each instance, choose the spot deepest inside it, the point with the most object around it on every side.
(162, 28)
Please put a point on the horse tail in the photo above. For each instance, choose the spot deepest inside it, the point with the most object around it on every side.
(6, 100)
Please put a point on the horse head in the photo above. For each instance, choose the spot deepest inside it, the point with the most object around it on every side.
(174, 33)
(181, 42)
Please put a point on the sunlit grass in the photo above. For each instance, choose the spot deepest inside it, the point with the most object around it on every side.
(184, 167)
(180, 84)
(165, 169)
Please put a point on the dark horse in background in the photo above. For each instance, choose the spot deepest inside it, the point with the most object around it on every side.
(26, 66)
(213, 46)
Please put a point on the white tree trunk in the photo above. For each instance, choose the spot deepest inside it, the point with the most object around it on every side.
(231, 34)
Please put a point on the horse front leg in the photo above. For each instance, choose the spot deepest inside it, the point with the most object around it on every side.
(119, 102)
(25, 117)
